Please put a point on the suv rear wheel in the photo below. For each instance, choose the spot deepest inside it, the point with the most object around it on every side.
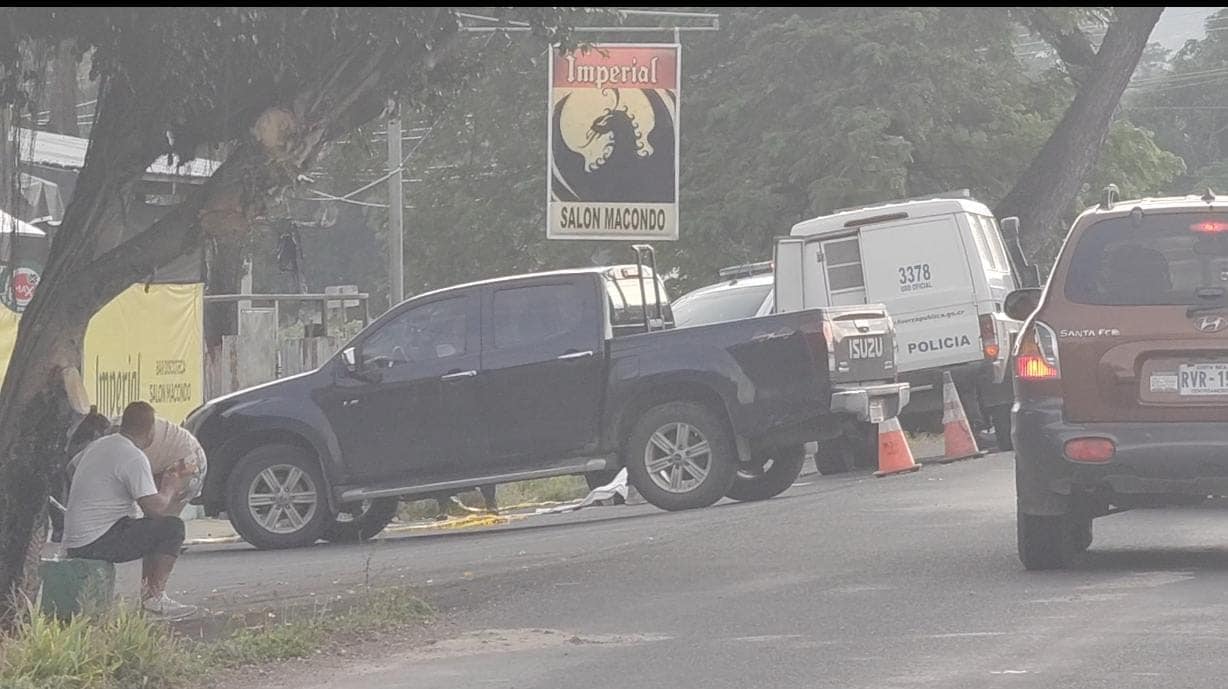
(276, 498)
(680, 456)
(1047, 542)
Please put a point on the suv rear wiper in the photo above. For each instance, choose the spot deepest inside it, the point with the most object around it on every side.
(1205, 308)
(1207, 293)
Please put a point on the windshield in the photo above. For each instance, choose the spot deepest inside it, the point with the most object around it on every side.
(720, 305)
(1174, 258)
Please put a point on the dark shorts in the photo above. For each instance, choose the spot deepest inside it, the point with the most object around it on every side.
(132, 539)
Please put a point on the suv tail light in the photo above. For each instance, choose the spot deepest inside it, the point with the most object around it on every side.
(989, 337)
(1090, 450)
(1037, 358)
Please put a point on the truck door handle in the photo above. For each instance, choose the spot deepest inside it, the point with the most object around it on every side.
(575, 355)
(458, 375)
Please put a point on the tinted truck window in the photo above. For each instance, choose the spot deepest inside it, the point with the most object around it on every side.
(1161, 259)
(528, 315)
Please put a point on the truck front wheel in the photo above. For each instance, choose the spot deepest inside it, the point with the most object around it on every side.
(769, 474)
(276, 498)
(680, 456)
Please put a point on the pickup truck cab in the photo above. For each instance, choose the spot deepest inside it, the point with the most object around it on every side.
(520, 378)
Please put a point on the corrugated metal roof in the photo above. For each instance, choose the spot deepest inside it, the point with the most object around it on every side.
(62, 151)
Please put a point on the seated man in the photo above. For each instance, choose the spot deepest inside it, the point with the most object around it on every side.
(111, 474)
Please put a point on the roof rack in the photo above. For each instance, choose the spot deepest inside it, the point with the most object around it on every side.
(746, 270)
(953, 194)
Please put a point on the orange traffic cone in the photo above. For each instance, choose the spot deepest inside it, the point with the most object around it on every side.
(894, 455)
(956, 432)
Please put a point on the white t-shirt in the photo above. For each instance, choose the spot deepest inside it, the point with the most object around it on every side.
(111, 475)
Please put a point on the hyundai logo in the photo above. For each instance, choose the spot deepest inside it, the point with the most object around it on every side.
(1212, 324)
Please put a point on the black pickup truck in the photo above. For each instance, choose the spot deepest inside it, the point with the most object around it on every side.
(533, 376)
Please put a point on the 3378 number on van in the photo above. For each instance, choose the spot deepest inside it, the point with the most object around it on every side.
(914, 277)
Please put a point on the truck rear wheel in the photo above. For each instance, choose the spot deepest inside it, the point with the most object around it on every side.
(364, 521)
(769, 474)
(275, 498)
(856, 448)
(680, 456)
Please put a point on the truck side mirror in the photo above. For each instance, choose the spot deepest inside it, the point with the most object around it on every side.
(1022, 303)
(1010, 228)
(1028, 274)
(350, 356)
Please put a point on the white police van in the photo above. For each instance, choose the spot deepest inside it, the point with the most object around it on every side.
(941, 266)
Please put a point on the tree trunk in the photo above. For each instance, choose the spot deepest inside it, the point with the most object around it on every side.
(282, 143)
(1052, 182)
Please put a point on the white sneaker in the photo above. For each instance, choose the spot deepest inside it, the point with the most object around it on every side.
(163, 606)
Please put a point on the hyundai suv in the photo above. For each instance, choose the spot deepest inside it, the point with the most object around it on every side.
(1121, 372)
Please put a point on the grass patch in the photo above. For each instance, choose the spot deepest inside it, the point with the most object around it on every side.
(124, 649)
(117, 649)
(377, 610)
(553, 489)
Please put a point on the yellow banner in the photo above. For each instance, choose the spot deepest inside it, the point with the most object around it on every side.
(141, 346)
(147, 346)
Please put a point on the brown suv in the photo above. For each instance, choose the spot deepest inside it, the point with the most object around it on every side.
(1121, 372)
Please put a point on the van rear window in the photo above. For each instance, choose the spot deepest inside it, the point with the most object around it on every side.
(1170, 258)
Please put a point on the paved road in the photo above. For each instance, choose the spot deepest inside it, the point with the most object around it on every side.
(910, 581)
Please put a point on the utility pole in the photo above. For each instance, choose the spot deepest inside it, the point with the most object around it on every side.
(396, 220)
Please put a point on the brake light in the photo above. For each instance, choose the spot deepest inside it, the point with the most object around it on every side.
(1037, 358)
(1209, 226)
(830, 336)
(989, 337)
(1090, 450)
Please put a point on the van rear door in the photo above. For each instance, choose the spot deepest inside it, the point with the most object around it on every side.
(919, 269)
(816, 272)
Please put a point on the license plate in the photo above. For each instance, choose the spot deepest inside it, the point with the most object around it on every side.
(865, 348)
(1203, 379)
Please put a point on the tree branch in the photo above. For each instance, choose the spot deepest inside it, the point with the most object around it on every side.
(1073, 46)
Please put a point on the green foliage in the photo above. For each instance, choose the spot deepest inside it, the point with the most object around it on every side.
(1133, 161)
(200, 74)
(375, 610)
(118, 649)
(1187, 108)
(266, 644)
(786, 114)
